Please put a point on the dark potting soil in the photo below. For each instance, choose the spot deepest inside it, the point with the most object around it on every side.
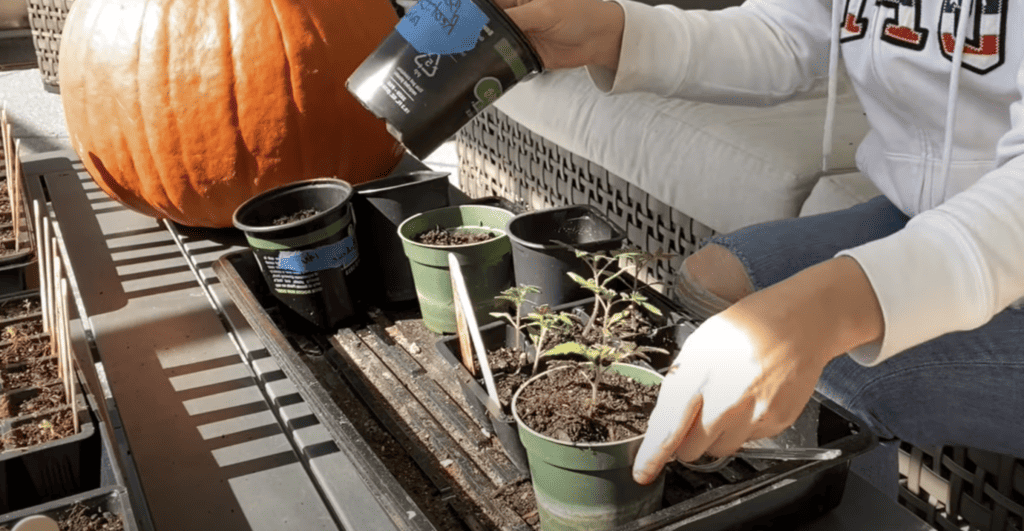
(32, 374)
(446, 237)
(511, 368)
(296, 216)
(31, 327)
(521, 499)
(49, 397)
(23, 348)
(19, 308)
(81, 517)
(560, 406)
(49, 427)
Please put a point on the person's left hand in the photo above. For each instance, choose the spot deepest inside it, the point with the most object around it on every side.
(748, 372)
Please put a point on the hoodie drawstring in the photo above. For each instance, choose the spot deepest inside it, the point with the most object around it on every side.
(954, 92)
(833, 82)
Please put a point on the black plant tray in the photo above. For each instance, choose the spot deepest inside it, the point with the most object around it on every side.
(390, 361)
(111, 499)
(44, 472)
(15, 264)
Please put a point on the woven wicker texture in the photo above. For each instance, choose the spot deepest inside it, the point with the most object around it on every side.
(46, 18)
(959, 488)
(500, 157)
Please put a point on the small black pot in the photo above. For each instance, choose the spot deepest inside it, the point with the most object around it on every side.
(538, 261)
(112, 499)
(306, 262)
(380, 207)
(443, 64)
(494, 335)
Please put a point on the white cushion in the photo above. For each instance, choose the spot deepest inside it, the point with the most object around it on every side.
(727, 166)
(836, 192)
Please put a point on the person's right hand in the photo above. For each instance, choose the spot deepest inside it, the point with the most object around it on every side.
(570, 33)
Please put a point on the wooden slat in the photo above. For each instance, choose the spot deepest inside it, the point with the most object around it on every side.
(452, 418)
(445, 456)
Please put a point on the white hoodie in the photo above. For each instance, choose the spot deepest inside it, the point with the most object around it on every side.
(945, 144)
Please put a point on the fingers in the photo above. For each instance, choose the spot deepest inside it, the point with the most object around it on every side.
(505, 4)
(735, 427)
(529, 17)
(679, 403)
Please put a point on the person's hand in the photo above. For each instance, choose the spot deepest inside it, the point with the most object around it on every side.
(748, 372)
(570, 33)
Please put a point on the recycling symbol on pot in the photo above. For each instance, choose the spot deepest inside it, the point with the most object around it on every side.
(426, 64)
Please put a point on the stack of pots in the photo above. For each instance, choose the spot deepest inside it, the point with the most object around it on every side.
(303, 237)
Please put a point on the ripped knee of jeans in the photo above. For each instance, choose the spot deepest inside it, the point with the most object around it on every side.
(695, 297)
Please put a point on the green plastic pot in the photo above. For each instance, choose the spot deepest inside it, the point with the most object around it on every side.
(486, 266)
(588, 486)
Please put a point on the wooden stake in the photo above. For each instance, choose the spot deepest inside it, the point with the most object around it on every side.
(16, 194)
(9, 161)
(3, 133)
(68, 357)
(47, 281)
(58, 272)
(40, 262)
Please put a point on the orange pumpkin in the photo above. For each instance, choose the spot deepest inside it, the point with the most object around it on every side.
(185, 109)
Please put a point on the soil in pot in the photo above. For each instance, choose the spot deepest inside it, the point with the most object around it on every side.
(305, 213)
(23, 348)
(510, 368)
(39, 430)
(41, 399)
(19, 307)
(81, 517)
(31, 374)
(457, 236)
(560, 407)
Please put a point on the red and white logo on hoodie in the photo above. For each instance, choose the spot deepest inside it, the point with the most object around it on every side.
(906, 25)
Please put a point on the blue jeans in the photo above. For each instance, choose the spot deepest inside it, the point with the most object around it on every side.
(962, 389)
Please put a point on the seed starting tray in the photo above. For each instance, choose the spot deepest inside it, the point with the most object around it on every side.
(54, 469)
(389, 361)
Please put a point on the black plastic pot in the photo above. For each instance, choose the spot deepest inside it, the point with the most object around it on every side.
(494, 335)
(306, 262)
(113, 500)
(443, 64)
(539, 261)
(380, 207)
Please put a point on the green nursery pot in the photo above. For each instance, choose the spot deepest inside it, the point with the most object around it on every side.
(486, 266)
(588, 486)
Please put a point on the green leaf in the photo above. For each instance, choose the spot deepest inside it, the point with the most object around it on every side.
(571, 347)
(651, 308)
(617, 317)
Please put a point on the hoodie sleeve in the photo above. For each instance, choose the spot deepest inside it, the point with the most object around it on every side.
(953, 267)
(764, 51)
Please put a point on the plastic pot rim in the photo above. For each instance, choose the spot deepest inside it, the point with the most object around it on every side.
(261, 198)
(368, 189)
(617, 233)
(581, 445)
(502, 231)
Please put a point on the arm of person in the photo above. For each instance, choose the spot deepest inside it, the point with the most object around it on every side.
(748, 372)
(761, 52)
